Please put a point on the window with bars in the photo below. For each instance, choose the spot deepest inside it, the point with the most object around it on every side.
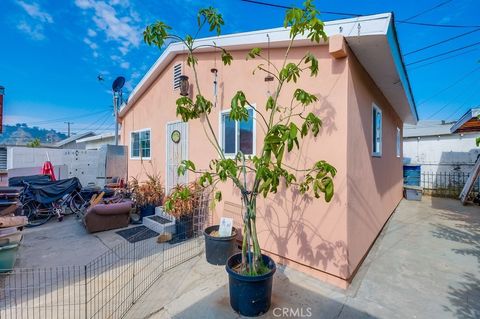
(177, 71)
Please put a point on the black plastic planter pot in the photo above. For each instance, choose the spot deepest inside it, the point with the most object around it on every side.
(183, 229)
(218, 249)
(250, 295)
(147, 210)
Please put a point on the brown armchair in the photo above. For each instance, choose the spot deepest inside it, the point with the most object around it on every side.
(103, 217)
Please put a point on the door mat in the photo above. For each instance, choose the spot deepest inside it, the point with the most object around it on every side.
(134, 234)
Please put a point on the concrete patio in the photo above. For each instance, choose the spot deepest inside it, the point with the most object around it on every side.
(425, 264)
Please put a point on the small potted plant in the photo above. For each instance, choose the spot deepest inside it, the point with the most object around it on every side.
(147, 195)
(181, 204)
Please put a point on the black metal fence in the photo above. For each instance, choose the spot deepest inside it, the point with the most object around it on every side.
(446, 184)
(106, 287)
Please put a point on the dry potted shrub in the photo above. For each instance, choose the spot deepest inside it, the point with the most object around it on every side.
(148, 194)
(181, 203)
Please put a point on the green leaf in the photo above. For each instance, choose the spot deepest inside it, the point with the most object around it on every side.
(238, 111)
(156, 34)
(304, 97)
(218, 196)
(270, 103)
(211, 16)
(226, 57)
(291, 72)
(310, 58)
(254, 53)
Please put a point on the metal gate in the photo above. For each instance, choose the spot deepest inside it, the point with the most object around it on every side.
(177, 151)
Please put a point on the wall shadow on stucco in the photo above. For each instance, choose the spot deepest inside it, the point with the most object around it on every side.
(285, 221)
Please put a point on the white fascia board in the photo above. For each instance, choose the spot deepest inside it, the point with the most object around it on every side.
(377, 24)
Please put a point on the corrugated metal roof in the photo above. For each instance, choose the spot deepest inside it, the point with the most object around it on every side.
(427, 128)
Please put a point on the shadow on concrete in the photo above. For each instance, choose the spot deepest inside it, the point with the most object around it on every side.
(297, 301)
(465, 230)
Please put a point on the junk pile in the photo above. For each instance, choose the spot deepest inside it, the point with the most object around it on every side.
(11, 226)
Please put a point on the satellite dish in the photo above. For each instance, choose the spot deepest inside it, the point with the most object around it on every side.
(118, 84)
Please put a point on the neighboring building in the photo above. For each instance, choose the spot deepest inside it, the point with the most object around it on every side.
(97, 141)
(432, 145)
(468, 123)
(71, 142)
(364, 99)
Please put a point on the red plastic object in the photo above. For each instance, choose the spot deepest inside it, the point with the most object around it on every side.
(47, 169)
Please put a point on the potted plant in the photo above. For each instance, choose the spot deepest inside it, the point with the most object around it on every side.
(218, 248)
(181, 204)
(147, 195)
(284, 126)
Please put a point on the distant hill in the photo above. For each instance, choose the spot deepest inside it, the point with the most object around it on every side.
(21, 134)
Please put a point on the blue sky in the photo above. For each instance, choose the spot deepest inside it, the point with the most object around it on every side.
(52, 51)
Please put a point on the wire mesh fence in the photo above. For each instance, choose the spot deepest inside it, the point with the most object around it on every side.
(446, 184)
(106, 287)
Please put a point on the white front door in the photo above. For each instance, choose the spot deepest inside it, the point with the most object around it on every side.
(177, 151)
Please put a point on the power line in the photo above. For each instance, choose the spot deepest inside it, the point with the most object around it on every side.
(460, 108)
(437, 24)
(441, 42)
(443, 53)
(61, 119)
(440, 60)
(349, 14)
(428, 10)
(445, 105)
(462, 78)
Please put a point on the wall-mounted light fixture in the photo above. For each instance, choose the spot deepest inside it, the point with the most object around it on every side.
(184, 85)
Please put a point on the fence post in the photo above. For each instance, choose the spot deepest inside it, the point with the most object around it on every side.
(86, 296)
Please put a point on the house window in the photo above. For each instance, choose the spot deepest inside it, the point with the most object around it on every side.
(140, 144)
(177, 71)
(399, 141)
(237, 135)
(377, 131)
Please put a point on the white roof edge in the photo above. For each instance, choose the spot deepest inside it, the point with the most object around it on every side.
(377, 24)
(72, 138)
(96, 137)
(400, 66)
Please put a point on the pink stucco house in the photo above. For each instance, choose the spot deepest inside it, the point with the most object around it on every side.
(364, 100)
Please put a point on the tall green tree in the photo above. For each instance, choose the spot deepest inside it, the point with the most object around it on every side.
(266, 170)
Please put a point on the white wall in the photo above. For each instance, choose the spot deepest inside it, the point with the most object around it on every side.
(80, 163)
(444, 153)
(96, 144)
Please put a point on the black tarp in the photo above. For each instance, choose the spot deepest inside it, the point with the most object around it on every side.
(48, 192)
(18, 181)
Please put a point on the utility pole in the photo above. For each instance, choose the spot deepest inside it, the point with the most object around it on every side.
(68, 130)
(117, 99)
(115, 108)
